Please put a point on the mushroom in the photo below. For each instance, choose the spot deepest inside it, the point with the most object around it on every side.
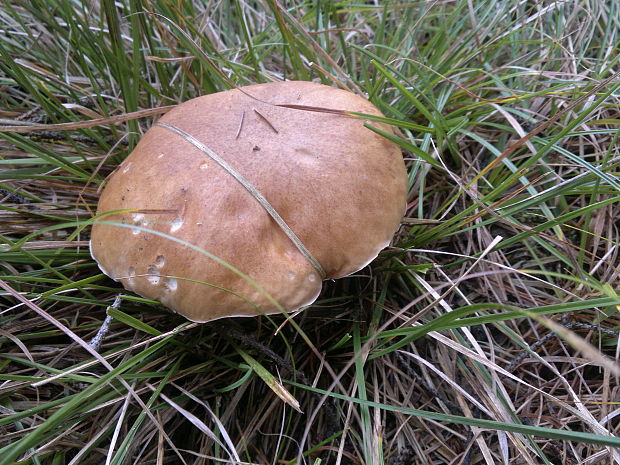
(240, 203)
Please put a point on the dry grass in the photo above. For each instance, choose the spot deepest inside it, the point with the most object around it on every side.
(488, 332)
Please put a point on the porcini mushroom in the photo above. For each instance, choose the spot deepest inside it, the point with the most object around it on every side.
(199, 174)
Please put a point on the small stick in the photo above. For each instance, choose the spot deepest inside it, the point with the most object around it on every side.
(96, 341)
(266, 120)
(240, 124)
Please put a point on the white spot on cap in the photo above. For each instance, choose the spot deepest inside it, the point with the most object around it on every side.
(161, 155)
(171, 284)
(292, 276)
(153, 275)
(131, 273)
(204, 166)
(176, 224)
(127, 167)
(312, 277)
(135, 231)
(137, 217)
(159, 261)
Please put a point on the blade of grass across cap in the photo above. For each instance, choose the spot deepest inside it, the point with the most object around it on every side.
(252, 190)
(96, 220)
(257, 286)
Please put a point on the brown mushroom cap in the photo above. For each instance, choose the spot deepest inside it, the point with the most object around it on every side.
(340, 187)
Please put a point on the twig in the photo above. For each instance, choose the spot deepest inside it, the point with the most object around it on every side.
(96, 341)
(240, 124)
(265, 120)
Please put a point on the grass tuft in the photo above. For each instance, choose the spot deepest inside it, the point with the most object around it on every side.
(486, 334)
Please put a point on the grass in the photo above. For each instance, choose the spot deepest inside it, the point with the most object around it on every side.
(488, 332)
